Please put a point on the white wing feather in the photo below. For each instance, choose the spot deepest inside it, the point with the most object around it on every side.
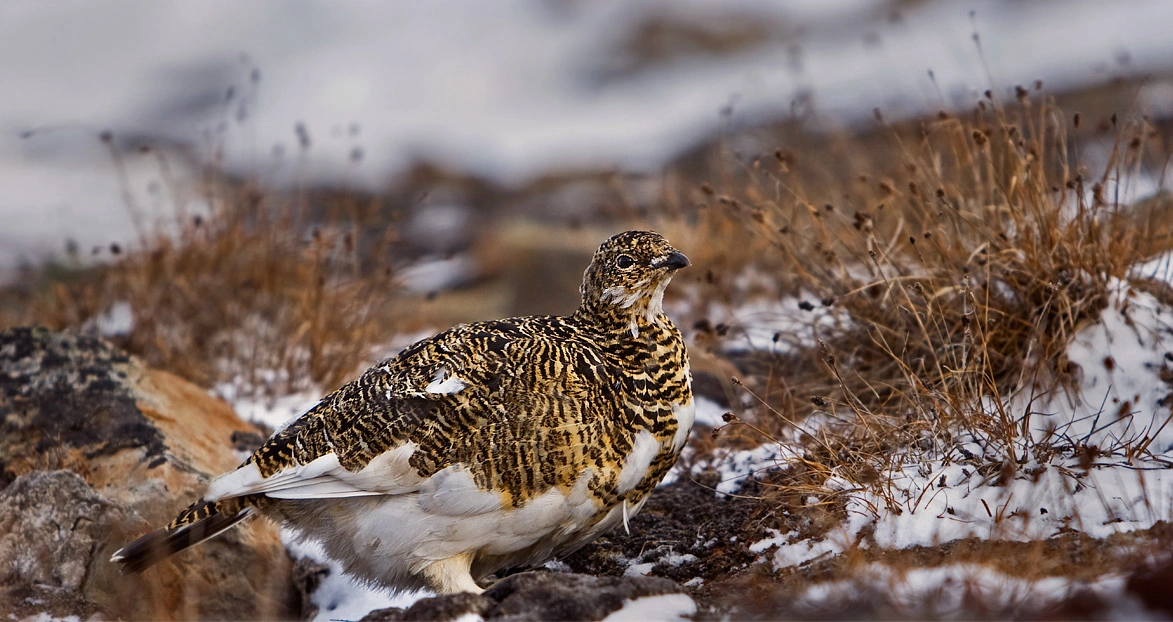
(388, 474)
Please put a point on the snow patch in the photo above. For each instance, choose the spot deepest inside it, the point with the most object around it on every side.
(733, 467)
(776, 326)
(273, 412)
(709, 412)
(338, 596)
(116, 321)
(943, 591)
(661, 607)
(1120, 361)
(639, 570)
(433, 274)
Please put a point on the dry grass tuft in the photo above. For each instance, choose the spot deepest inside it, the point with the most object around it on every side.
(263, 289)
(961, 255)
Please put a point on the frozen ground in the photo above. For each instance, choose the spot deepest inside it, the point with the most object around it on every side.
(507, 91)
(1119, 407)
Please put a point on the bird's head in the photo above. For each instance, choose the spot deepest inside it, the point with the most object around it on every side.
(627, 277)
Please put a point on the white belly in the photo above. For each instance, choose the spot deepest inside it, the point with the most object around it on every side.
(391, 539)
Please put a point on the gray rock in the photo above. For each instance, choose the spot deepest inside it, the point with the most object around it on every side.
(51, 525)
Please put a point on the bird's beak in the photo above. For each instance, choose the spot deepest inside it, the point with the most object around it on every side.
(675, 261)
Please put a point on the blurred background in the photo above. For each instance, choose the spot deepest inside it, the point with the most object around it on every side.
(547, 105)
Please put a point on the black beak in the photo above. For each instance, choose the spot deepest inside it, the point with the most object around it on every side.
(676, 261)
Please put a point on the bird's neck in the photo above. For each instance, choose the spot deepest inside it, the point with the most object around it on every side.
(625, 315)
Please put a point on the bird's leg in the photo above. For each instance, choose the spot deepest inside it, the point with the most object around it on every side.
(451, 575)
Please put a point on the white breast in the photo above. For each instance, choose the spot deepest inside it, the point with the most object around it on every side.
(685, 413)
(643, 451)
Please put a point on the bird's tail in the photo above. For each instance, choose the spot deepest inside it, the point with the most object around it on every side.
(200, 521)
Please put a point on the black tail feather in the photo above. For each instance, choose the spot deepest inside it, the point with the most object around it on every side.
(202, 521)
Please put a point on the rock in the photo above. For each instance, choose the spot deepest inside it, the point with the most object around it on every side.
(536, 596)
(50, 524)
(450, 607)
(141, 444)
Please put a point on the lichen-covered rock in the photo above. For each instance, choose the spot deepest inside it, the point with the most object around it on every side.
(144, 443)
(536, 596)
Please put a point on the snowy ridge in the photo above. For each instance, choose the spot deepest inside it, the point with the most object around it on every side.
(1120, 407)
(940, 592)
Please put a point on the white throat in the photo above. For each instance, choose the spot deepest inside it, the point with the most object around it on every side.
(625, 298)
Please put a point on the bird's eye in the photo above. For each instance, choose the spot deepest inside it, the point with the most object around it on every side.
(624, 262)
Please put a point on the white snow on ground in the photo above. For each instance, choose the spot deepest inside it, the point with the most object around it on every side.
(1105, 500)
(639, 568)
(273, 412)
(510, 90)
(792, 551)
(437, 273)
(709, 412)
(775, 325)
(45, 616)
(1120, 362)
(929, 501)
(1159, 268)
(944, 591)
(116, 320)
(662, 607)
(734, 467)
(339, 597)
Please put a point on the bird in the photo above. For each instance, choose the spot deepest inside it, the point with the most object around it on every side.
(492, 445)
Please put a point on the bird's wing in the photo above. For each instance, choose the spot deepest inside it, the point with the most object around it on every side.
(355, 442)
(395, 427)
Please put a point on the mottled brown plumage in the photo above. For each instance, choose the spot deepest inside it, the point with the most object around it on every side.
(490, 445)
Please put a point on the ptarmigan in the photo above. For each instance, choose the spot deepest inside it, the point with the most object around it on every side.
(491, 445)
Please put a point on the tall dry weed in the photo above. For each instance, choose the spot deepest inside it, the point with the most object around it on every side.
(962, 252)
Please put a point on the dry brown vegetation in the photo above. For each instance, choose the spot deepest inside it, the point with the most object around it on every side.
(263, 284)
(960, 255)
(960, 258)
